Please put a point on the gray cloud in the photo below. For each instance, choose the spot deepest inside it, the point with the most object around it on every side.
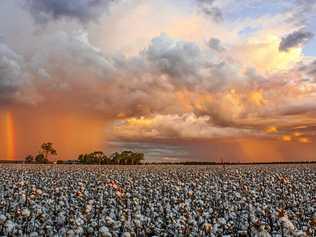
(208, 8)
(311, 69)
(178, 59)
(152, 149)
(215, 44)
(72, 69)
(294, 39)
(11, 72)
(82, 10)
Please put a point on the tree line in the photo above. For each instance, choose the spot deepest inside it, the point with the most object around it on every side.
(117, 158)
(96, 157)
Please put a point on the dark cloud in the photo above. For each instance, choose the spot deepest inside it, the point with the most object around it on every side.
(208, 8)
(178, 59)
(215, 44)
(295, 39)
(309, 71)
(82, 10)
(10, 72)
(154, 150)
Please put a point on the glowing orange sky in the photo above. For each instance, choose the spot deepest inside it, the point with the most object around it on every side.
(71, 134)
(239, 84)
(9, 144)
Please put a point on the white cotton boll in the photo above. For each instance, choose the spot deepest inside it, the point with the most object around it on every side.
(3, 218)
(263, 233)
(94, 224)
(103, 229)
(79, 231)
(61, 219)
(222, 221)
(215, 228)
(106, 234)
(299, 234)
(9, 226)
(91, 202)
(71, 233)
(23, 198)
(126, 234)
(109, 220)
(34, 234)
(116, 225)
(79, 221)
(237, 195)
(90, 230)
(26, 212)
(137, 223)
(89, 208)
(38, 210)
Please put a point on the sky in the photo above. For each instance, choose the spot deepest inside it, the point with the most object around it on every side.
(182, 80)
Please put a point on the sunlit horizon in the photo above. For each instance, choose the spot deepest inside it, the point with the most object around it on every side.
(183, 80)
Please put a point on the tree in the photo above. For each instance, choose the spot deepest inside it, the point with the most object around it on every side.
(48, 149)
(97, 157)
(29, 159)
(115, 158)
(81, 159)
(40, 159)
(123, 158)
(138, 158)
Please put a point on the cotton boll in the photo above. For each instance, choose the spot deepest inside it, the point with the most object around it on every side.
(9, 227)
(34, 234)
(71, 233)
(3, 218)
(126, 234)
(26, 212)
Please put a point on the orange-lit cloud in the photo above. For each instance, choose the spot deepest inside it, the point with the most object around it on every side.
(271, 129)
(286, 138)
(125, 71)
(304, 140)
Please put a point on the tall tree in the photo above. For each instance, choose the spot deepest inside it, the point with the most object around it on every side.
(48, 149)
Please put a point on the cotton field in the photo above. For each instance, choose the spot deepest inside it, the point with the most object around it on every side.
(157, 200)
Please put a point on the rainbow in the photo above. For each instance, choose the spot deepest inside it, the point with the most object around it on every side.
(9, 134)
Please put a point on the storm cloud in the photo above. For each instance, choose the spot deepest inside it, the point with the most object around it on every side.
(294, 39)
(11, 73)
(82, 10)
(180, 76)
(209, 8)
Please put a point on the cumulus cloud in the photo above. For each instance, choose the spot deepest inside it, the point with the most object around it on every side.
(82, 10)
(11, 72)
(309, 69)
(172, 88)
(295, 39)
(169, 77)
(179, 59)
(185, 126)
(209, 8)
